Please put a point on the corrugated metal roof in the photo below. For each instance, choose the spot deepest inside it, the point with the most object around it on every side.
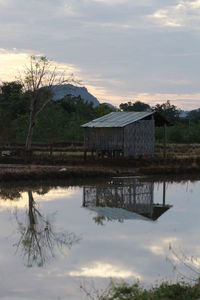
(118, 119)
(117, 213)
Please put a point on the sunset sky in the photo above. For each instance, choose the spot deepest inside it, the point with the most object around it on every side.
(123, 50)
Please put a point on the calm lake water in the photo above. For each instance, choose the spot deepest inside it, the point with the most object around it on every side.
(55, 237)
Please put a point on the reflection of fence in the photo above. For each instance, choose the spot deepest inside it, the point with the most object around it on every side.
(130, 194)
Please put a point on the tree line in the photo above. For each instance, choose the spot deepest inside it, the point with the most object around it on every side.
(29, 114)
(60, 120)
(185, 128)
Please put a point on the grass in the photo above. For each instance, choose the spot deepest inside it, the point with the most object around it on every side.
(179, 150)
(174, 151)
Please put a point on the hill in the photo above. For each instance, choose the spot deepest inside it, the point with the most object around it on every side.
(69, 89)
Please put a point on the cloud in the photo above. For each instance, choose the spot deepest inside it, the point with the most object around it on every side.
(184, 13)
(163, 17)
(4, 3)
(13, 62)
(184, 101)
(68, 10)
(195, 4)
(161, 247)
(104, 270)
(111, 2)
(106, 89)
(121, 49)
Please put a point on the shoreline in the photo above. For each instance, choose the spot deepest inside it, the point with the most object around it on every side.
(104, 168)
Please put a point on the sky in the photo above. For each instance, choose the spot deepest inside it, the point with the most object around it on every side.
(122, 50)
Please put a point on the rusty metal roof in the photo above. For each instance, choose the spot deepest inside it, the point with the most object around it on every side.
(118, 119)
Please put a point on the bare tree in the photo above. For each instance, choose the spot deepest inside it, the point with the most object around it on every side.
(40, 78)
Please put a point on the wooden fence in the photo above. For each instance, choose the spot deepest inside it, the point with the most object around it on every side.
(10, 149)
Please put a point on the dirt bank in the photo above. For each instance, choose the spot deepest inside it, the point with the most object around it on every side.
(103, 168)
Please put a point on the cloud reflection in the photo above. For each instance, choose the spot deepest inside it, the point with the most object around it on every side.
(22, 201)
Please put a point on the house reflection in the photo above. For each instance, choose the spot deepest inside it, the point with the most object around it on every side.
(124, 198)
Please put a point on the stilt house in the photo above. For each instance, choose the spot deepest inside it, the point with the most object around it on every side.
(128, 133)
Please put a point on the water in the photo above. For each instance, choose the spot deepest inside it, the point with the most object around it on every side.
(55, 237)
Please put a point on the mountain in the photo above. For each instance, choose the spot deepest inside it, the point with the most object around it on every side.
(69, 89)
(183, 114)
(110, 105)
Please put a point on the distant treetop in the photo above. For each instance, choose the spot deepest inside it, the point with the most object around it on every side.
(135, 106)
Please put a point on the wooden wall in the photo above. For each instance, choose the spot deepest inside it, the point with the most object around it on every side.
(134, 139)
(101, 139)
(139, 138)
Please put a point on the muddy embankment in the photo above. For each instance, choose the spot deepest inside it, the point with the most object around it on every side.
(77, 168)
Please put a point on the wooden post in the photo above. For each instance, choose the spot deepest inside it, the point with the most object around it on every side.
(85, 154)
(51, 150)
(28, 156)
(165, 142)
(85, 145)
(164, 192)
(151, 198)
(84, 192)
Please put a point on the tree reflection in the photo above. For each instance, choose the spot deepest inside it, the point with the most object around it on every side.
(9, 194)
(39, 240)
(15, 194)
(185, 266)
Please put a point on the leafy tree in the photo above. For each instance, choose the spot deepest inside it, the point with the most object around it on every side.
(135, 106)
(103, 109)
(12, 88)
(77, 105)
(168, 110)
(194, 115)
(49, 126)
(12, 104)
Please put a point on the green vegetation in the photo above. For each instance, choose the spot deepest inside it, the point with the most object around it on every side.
(184, 130)
(134, 106)
(166, 291)
(181, 132)
(168, 110)
(60, 120)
